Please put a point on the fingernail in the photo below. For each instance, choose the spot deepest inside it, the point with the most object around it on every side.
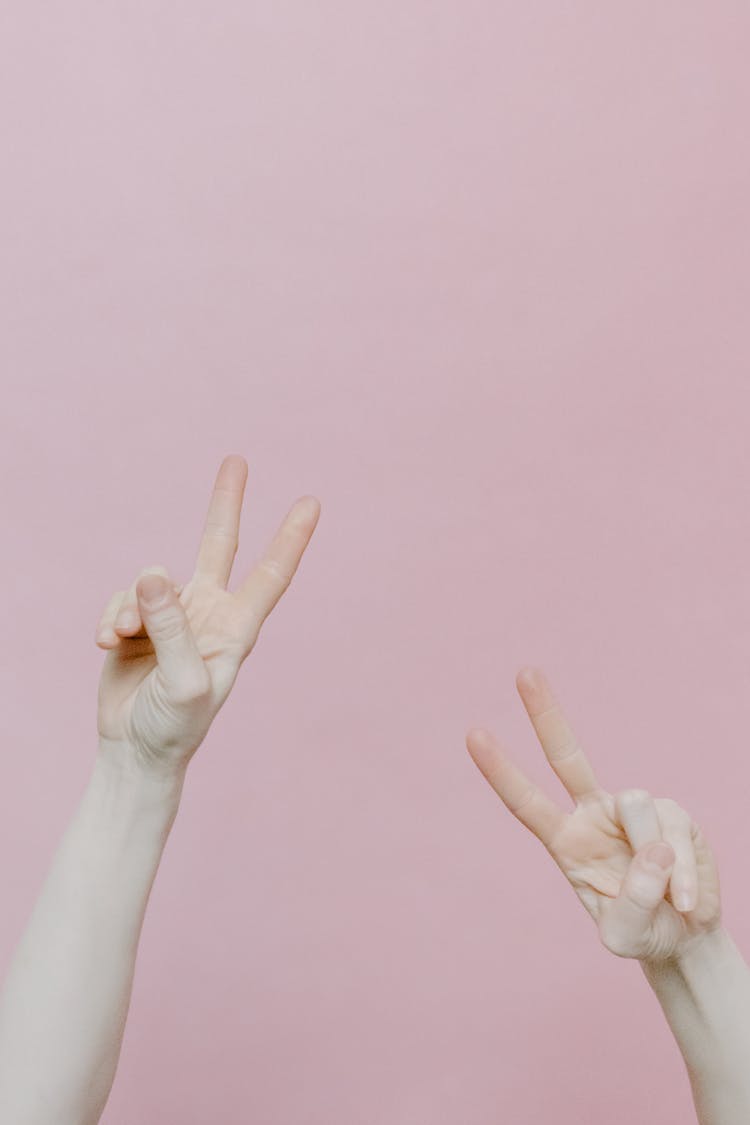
(126, 620)
(660, 854)
(153, 590)
(683, 901)
(305, 509)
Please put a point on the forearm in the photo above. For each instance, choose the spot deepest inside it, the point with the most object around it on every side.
(66, 995)
(705, 995)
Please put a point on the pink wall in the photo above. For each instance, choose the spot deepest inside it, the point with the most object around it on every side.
(476, 274)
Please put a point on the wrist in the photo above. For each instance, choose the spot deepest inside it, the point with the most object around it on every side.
(119, 776)
(710, 978)
(696, 953)
(705, 995)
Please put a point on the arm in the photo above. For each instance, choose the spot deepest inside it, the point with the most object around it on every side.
(66, 996)
(705, 996)
(644, 872)
(173, 655)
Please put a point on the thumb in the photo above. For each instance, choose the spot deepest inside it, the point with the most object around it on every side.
(627, 921)
(180, 663)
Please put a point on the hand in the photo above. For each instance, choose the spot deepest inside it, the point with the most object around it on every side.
(175, 651)
(639, 865)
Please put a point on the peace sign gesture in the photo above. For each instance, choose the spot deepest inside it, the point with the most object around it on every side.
(175, 651)
(639, 864)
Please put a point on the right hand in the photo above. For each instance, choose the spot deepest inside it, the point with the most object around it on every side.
(174, 651)
(639, 864)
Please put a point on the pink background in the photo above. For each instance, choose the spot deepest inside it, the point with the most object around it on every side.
(476, 274)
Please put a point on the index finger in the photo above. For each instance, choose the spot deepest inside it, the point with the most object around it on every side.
(517, 792)
(560, 745)
(222, 527)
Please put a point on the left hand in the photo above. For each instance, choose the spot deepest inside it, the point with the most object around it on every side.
(640, 865)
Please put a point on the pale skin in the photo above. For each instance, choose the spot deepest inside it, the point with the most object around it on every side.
(160, 711)
(166, 674)
(640, 866)
(644, 872)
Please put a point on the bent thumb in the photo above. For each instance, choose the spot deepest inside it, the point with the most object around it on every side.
(626, 924)
(167, 626)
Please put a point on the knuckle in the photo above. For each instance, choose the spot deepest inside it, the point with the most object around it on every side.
(676, 822)
(193, 688)
(671, 809)
(276, 572)
(229, 536)
(632, 797)
(168, 626)
(639, 892)
(113, 602)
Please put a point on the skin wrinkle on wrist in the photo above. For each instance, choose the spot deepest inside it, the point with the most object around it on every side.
(124, 801)
(699, 951)
(711, 980)
(119, 767)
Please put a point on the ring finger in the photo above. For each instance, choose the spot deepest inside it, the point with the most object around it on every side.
(106, 637)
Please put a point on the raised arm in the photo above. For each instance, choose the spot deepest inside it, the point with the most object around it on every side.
(173, 656)
(646, 875)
